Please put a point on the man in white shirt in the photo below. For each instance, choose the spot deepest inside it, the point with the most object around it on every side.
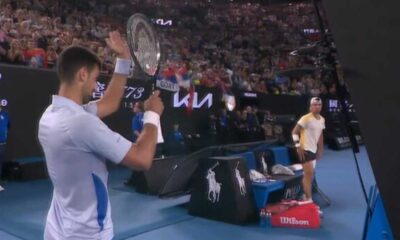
(76, 143)
(309, 140)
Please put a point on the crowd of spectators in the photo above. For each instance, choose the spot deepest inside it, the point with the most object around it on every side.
(244, 125)
(227, 45)
(33, 33)
(243, 46)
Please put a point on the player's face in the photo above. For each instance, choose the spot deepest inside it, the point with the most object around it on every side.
(316, 108)
(90, 84)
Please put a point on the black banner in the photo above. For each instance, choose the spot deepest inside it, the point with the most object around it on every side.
(27, 92)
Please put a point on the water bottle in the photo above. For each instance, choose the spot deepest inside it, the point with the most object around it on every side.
(263, 218)
(268, 219)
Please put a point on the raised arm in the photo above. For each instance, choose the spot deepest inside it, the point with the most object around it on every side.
(111, 100)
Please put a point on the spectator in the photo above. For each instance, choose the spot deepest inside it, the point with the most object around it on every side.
(36, 57)
(175, 143)
(52, 57)
(223, 127)
(137, 120)
(253, 124)
(15, 53)
(4, 126)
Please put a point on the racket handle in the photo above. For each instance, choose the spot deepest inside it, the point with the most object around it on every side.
(160, 138)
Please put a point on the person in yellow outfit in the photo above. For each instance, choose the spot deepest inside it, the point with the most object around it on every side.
(308, 138)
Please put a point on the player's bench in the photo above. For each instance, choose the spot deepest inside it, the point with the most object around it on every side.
(281, 186)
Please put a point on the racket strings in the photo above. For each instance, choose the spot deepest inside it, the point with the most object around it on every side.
(147, 52)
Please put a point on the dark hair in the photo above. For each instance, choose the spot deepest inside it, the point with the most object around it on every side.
(72, 59)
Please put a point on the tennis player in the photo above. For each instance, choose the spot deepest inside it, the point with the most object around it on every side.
(309, 140)
(76, 143)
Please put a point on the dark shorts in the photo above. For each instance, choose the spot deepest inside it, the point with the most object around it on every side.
(309, 156)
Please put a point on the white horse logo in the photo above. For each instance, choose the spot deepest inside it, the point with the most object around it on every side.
(240, 180)
(264, 165)
(214, 187)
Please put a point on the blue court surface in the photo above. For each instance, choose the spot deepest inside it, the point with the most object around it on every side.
(23, 208)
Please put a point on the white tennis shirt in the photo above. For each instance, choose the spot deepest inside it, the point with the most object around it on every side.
(76, 144)
(311, 131)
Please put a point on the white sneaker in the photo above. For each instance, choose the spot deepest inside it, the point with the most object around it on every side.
(1, 188)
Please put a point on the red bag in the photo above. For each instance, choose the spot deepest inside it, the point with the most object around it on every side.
(298, 216)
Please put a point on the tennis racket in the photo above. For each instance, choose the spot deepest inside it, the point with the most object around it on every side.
(145, 49)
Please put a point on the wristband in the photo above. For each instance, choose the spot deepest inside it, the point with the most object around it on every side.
(296, 138)
(123, 66)
(152, 118)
